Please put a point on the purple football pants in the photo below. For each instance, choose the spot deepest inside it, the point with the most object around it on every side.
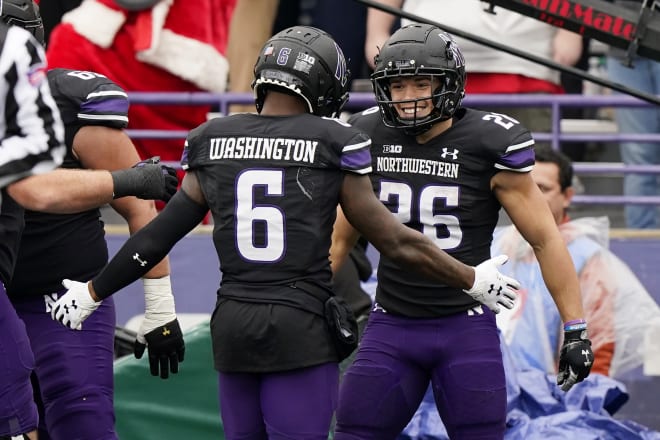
(73, 370)
(18, 413)
(294, 404)
(460, 354)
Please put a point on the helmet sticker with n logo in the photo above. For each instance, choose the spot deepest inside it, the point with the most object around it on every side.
(453, 52)
(340, 71)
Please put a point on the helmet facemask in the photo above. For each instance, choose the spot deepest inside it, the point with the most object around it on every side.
(443, 99)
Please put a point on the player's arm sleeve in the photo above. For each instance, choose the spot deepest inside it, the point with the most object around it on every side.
(150, 244)
(518, 155)
(33, 140)
(356, 155)
(106, 105)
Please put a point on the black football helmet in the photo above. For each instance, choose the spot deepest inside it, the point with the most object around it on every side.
(307, 62)
(24, 13)
(414, 50)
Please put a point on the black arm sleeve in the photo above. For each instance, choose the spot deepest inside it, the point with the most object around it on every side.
(149, 245)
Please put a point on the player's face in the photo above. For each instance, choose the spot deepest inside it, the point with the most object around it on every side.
(417, 91)
(546, 176)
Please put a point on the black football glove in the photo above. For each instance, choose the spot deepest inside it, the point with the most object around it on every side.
(147, 180)
(575, 359)
(166, 349)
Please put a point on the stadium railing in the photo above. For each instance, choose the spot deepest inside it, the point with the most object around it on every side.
(557, 136)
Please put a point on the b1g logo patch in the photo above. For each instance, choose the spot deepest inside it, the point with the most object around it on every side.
(304, 62)
(392, 148)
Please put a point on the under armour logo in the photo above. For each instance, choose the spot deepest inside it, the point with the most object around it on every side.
(137, 258)
(446, 153)
(73, 306)
(586, 354)
(477, 310)
(50, 300)
(378, 308)
(166, 331)
(497, 291)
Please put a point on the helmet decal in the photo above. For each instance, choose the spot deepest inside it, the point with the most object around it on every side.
(304, 62)
(340, 72)
(283, 56)
(452, 49)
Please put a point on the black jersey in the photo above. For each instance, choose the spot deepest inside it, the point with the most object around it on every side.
(442, 189)
(56, 246)
(272, 184)
(31, 132)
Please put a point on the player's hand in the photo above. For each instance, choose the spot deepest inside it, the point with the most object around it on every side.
(147, 179)
(575, 359)
(72, 308)
(492, 288)
(165, 347)
(160, 332)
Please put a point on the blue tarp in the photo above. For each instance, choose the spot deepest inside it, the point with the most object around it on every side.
(539, 410)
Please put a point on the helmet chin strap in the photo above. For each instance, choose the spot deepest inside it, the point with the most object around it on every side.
(416, 130)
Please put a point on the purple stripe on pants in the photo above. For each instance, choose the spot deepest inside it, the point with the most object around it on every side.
(18, 413)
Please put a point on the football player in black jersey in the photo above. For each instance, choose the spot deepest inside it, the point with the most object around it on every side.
(272, 182)
(74, 369)
(445, 171)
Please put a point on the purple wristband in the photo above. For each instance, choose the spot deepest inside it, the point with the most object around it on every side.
(576, 324)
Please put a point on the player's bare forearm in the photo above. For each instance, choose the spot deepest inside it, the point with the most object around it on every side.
(64, 191)
(560, 278)
(344, 237)
(522, 199)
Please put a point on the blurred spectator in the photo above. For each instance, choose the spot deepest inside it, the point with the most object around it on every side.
(172, 46)
(334, 17)
(247, 35)
(492, 71)
(576, 151)
(617, 306)
(644, 75)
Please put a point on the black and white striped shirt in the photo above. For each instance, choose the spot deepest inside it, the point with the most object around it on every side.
(31, 129)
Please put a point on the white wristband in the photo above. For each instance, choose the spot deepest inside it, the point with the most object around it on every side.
(159, 302)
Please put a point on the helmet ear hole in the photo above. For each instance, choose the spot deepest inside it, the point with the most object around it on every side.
(307, 62)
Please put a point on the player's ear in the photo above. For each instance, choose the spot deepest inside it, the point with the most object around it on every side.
(568, 196)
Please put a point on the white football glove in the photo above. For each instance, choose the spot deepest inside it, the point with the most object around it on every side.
(491, 288)
(72, 308)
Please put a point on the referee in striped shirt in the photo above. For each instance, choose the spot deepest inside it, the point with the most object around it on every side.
(31, 147)
(31, 142)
